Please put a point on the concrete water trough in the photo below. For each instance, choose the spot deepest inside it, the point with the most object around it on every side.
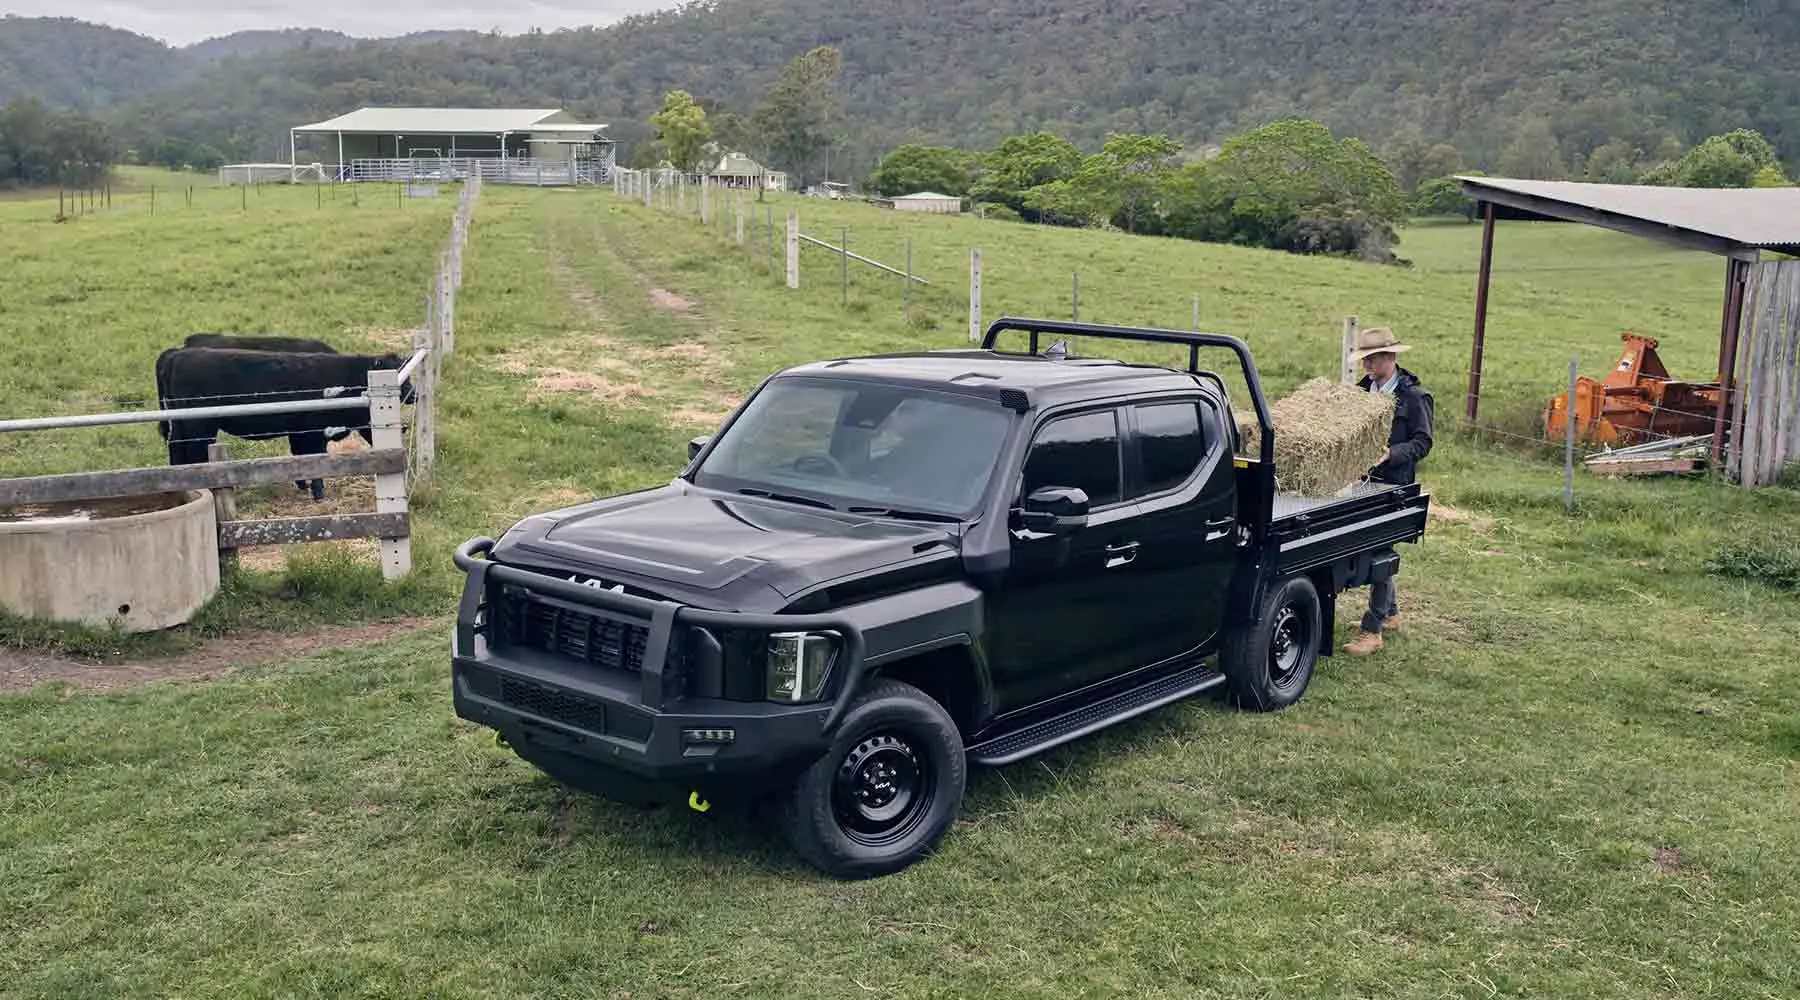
(150, 562)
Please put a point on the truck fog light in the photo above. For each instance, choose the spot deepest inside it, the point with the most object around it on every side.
(799, 662)
(693, 736)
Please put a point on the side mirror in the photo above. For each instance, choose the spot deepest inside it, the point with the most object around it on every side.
(696, 444)
(1055, 509)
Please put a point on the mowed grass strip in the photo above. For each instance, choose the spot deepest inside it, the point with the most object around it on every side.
(1573, 774)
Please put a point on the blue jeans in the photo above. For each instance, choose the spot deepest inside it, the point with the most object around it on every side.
(1381, 604)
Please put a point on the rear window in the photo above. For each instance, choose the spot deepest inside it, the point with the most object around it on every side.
(1171, 445)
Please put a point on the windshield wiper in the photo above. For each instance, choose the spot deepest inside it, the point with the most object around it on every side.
(907, 515)
(751, 491)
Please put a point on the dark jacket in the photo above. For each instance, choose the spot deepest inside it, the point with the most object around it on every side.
(1410, 439)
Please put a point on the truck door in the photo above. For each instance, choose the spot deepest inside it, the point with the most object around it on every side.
(1179, 474)
(1061, 616)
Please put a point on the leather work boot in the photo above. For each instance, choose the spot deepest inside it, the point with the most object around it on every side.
(1391, 624)
(1364, 644)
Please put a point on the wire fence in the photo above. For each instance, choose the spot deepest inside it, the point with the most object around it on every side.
(177, 196)
(772, 242)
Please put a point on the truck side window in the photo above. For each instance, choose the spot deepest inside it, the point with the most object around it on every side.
(1080, 451)
(1171, 445)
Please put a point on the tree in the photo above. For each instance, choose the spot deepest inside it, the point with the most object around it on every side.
(1123, 180)
(1737, 159)
(1020, 163)
(37, 147)
(1442, 196)
(1533, 153)
(682, 130)
(796, 119)
(1282, 167)
(915, 167)
(1769, 177)
(1612, 162)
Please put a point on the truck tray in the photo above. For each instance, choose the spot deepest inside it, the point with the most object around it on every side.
(1314, 531)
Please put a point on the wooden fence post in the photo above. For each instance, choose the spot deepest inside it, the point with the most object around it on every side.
(446, 311)
(424, 406)
(1347, 370)
(974, 296)
(738, 211)
(793, 249)
(390, 488)
(224, 509)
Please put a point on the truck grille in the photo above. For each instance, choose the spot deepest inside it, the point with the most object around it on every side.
(567, 632)
(553, 705)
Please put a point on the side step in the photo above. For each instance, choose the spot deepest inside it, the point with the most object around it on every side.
(1071, 725)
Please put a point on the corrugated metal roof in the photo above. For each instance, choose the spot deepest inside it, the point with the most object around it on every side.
(440, 121)
(1760, 218)
(927, 196)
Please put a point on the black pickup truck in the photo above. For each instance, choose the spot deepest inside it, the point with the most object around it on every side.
(883, 569)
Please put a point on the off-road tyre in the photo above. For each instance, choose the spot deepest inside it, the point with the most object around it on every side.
(886, 791)
(1268, 665)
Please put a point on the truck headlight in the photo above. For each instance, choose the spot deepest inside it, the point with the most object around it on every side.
(799, 663)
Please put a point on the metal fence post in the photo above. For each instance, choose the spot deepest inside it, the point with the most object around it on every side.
(975, 296)
(390, 488)
(793, 249)
(1569, 441)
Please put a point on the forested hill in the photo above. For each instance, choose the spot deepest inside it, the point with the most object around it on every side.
(1531, 84)
(72, 65)
(79, 66)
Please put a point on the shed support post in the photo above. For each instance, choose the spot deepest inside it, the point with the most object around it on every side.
(390, 488)
(1729, 327)
(1481, 304)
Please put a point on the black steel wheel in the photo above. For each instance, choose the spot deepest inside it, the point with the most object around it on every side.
(884, 794)
(1268, 665)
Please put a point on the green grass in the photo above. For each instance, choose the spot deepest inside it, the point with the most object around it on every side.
(1572, 776)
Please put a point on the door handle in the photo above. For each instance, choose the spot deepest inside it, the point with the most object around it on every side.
(1121, 554)
(1223, 522)
(1220, 528)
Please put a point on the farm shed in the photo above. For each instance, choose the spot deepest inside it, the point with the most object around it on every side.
(1758, 413)
(928, 201)
(404, 143)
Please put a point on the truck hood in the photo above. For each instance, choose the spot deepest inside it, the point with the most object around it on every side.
(682, 541)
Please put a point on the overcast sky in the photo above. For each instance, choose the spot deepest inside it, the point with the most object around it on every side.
(181, 22)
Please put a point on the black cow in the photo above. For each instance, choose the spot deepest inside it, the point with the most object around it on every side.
(243, 342)
(189, 377)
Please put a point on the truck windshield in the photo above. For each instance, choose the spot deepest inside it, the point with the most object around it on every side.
(861, 444)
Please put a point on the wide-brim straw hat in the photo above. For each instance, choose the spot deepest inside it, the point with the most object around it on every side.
(1376, 340)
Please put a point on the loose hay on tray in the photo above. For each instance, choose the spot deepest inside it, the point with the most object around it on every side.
(1327, 435)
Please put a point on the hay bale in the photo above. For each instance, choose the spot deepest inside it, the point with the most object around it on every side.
(1327, 435)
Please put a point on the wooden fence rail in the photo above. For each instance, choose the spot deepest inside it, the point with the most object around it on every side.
(395, 462)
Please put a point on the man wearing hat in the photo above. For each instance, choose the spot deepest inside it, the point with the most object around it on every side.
(1409, 441)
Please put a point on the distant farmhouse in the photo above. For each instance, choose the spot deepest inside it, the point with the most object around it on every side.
(522, 145)
(737, 170)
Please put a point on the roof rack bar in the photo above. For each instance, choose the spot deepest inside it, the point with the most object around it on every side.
(1194, 341)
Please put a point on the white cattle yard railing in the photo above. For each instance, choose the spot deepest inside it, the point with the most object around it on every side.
(392, 459)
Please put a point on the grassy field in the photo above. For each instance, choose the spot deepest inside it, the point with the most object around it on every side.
(1575, 774)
